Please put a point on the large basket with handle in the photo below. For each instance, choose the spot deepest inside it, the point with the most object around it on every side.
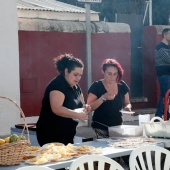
(12, 153)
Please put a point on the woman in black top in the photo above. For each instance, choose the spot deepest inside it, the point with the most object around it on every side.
(107, 97)
(61, 99)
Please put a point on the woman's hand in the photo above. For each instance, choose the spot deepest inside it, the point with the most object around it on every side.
(87, 108)
(109, 95)
(81, 114)
(128, 107)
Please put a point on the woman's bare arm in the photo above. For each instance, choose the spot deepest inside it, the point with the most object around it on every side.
(93, 101)
(56, 102)
(127, 103)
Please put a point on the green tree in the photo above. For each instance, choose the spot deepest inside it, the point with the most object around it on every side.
(108, 8)
(161, 12)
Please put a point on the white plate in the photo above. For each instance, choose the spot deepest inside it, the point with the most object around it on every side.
(30, 161)
(127, 112)
(97, 150)
(52, 144)
(84, 149)
(64, 159)
(50, 157)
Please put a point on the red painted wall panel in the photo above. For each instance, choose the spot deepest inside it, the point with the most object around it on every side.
(150, 84)
(115, 45)
(37, 50)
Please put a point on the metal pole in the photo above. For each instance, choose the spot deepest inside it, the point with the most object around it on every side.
(150, 12)
(88, 51)
(146, 9)
(115, 17)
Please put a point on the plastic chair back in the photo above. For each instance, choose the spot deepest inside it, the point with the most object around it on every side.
(150, 157)
(95, 162)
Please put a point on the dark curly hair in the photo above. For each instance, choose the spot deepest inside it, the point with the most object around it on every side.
(112, 62)
(165, 31)
(67, 61)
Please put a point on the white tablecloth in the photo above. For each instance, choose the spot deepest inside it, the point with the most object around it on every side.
(111, 152)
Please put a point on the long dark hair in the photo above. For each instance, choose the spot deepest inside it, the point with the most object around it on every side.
(67, 61)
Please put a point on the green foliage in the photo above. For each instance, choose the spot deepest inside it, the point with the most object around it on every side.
(108, 8)
(161, 12)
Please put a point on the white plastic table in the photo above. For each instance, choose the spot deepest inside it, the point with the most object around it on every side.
(111, 152)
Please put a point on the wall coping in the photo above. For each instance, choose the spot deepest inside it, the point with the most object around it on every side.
(159, 28)
(71, 26)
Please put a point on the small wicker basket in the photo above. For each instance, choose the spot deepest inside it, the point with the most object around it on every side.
(12, 153)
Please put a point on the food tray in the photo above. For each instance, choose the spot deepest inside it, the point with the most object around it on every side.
(157, 129)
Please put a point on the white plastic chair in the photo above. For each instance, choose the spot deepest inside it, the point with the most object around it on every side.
(90, 162)
(34, 168)
(150, 157)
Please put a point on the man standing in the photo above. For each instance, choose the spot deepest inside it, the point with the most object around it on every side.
(162, 65)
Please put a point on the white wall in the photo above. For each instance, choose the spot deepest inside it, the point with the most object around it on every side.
(9, 66)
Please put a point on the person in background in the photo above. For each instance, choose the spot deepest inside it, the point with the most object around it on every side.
(62, 103)
(107, 97)
(162, 65)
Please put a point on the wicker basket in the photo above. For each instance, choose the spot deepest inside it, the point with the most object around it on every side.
(12, 153)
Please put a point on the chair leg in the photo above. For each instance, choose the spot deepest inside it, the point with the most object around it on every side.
(126, 159)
